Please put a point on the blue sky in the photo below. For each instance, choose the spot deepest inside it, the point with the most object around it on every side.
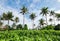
(32, 5)
(37, 4)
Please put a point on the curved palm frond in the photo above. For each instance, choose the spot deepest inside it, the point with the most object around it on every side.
(44, 11)
(23, 10)
(32, 16)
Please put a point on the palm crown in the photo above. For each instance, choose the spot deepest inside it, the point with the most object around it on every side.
(32, 16)
(23, 10)
(44, 11)
(41, 21)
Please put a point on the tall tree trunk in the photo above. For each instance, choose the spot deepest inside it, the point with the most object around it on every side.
(46, 20)
(3, 20)
(40, 26)
(50, 21)
(23, 20)
(33, 24)
(54, 19)
(58, 20)
(0, 18)
(8, 22)
(15, 25)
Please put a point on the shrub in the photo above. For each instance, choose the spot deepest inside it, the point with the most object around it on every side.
(49, 27)
(19, 26)
(57, 27)
(25, 27)
(30, 35)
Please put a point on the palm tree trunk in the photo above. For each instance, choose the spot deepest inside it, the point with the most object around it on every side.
(0, 18)
(46, 20)
(58, 20)
(54, 20)
(40, 26)
(50, 21)
(33, 24)
(8, 22)
(3, 20)
(23, 21)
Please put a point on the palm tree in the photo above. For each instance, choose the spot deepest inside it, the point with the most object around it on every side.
(44, 12)
(41, 22)
(0, 18)
(16, 19)
(58, 16)
(0, 21)
(51, 20)
(14, 26)
(9, 16)
(1, 24)
(32, 17)
(4, 16)
(52, 13)
(23, 11)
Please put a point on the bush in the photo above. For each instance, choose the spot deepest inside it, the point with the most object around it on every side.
(25, 27)
(19, 26)
(30, 35)
(57, 27)
(49, 27)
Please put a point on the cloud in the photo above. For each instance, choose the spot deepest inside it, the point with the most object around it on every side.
(58, 0)
(17, 1)
(32, 5)
(2, 2)
(58, 11)
(36, 1)
(4, 8)
(52, 9)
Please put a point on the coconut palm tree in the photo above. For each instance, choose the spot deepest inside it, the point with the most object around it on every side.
(44, 12)
(41, 22)
(13, 26)
(0, 21)
(52, 13)
(51, 20)
(9, 16)
(0, 18)
(23, 11)
(4, 16)
(58, 16)
(32, 17)
(1, 24)
(16, 19)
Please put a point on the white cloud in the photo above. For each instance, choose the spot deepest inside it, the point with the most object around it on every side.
(17, 2)
(52, 9)
(32, 5)
(27, 21)
(35, 1)
(2, 2)
(58, 0)
(16, 14)
(58, 11)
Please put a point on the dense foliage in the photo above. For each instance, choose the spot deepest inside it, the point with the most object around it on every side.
(30, 35)
(57, 27)
(49, 27)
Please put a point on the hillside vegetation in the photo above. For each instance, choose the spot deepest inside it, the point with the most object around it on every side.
(30, 35)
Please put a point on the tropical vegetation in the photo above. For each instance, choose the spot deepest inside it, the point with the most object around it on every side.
(20, 32)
